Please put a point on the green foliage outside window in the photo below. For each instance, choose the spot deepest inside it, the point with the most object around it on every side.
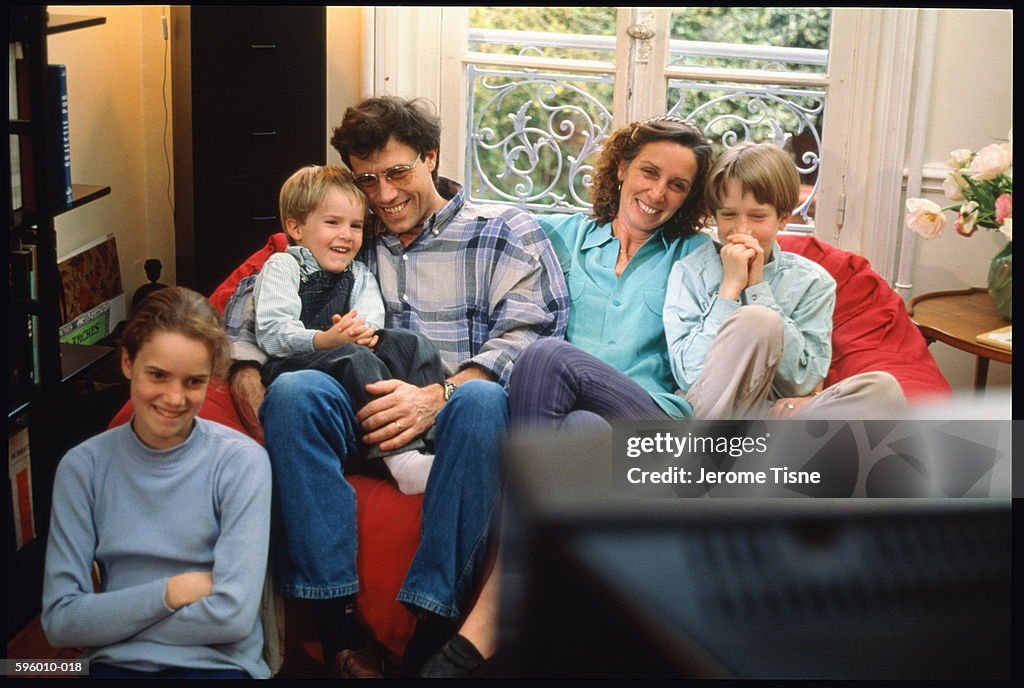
(806, 27)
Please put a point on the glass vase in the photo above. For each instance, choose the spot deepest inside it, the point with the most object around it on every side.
(1000, 281)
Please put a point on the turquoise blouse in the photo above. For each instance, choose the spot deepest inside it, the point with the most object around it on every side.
(619, 319)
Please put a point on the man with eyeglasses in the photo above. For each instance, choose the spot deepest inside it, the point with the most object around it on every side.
(482, 282)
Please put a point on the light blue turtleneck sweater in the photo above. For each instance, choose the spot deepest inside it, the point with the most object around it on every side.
(145, 515)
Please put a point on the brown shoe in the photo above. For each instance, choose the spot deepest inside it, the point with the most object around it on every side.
(354, 664)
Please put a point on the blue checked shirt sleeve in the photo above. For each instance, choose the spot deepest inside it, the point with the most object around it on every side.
(366, 300)
(240, 323)
(528, 298)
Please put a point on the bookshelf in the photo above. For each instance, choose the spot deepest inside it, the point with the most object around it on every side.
(42, 371)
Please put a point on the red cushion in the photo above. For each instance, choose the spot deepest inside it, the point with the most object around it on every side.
(871, 327)
(222, 294)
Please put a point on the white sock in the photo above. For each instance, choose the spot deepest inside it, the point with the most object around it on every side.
(410, 470)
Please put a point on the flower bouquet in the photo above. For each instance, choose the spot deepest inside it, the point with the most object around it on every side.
(981, 187)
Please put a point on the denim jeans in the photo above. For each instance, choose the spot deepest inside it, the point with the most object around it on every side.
(400, 354)
(311, 434)
(111, 671)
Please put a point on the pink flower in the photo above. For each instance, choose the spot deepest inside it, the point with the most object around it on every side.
(991, 161)
(1004, 207)
(924, 217)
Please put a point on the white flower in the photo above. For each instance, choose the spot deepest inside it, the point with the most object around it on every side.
(953, 185)
(1007, 228)
(925, 217)
(960, 158)
(991, 161)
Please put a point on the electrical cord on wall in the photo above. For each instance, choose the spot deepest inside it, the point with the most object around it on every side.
(163, 95)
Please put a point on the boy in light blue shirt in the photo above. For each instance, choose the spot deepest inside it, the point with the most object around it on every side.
(748, 325)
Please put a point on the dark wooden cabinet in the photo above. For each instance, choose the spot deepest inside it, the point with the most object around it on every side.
(249, 109)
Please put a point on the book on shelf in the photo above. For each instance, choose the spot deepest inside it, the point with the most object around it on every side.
(60, 129)
(1001, 338)
(21, 348)
(15, 143)
(92, 299)
(24, 112)
(19, 468)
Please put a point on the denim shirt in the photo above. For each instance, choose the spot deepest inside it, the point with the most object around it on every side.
(798, 289)
(619, 319)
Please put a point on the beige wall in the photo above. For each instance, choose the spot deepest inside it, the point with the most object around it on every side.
(116, 121)
(971, 107)
(117, 116)
(345, 46)
(117, 134)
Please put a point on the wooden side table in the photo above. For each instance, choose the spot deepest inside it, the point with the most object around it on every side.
(956, 318)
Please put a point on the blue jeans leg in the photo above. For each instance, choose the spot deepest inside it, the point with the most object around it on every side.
(460, 499)
(311, 431)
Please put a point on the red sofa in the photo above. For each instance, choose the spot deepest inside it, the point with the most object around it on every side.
(872, 332)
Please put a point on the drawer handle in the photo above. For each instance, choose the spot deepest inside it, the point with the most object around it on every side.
(264, 133)
(263, 46)
(263, 218)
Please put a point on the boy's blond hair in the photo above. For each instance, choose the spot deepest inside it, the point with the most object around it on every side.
(304, 191)
(763, 169)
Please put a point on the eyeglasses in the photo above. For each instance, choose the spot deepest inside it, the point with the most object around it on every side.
(395, 175)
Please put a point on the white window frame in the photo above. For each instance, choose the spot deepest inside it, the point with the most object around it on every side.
(422, 51)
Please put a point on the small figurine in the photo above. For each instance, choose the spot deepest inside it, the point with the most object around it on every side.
(153, 268)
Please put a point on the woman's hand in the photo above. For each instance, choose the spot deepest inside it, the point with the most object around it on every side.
(186, 588)
(247, 392)
(402, 413)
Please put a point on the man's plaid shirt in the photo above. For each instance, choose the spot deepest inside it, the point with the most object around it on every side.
(481, 281)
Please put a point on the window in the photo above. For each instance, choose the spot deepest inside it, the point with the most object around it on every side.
(863, 125)
(546, 85)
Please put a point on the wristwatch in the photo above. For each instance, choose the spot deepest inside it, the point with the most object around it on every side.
(449, 390)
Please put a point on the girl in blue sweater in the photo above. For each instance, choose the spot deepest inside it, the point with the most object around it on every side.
(173, 509)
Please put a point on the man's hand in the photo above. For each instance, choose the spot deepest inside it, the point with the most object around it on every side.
(247, 392)
(186, 588)
(345, 329)
(402, 413)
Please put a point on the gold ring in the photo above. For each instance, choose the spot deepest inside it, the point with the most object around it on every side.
(399, 424)
(789, 406)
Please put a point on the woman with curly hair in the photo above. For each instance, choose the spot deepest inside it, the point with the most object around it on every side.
(648, 207)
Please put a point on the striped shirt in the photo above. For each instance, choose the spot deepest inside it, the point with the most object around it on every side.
(268, 316)
(481, 281)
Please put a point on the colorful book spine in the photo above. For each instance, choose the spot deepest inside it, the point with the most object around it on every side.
(15, 143)
(57, 80)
